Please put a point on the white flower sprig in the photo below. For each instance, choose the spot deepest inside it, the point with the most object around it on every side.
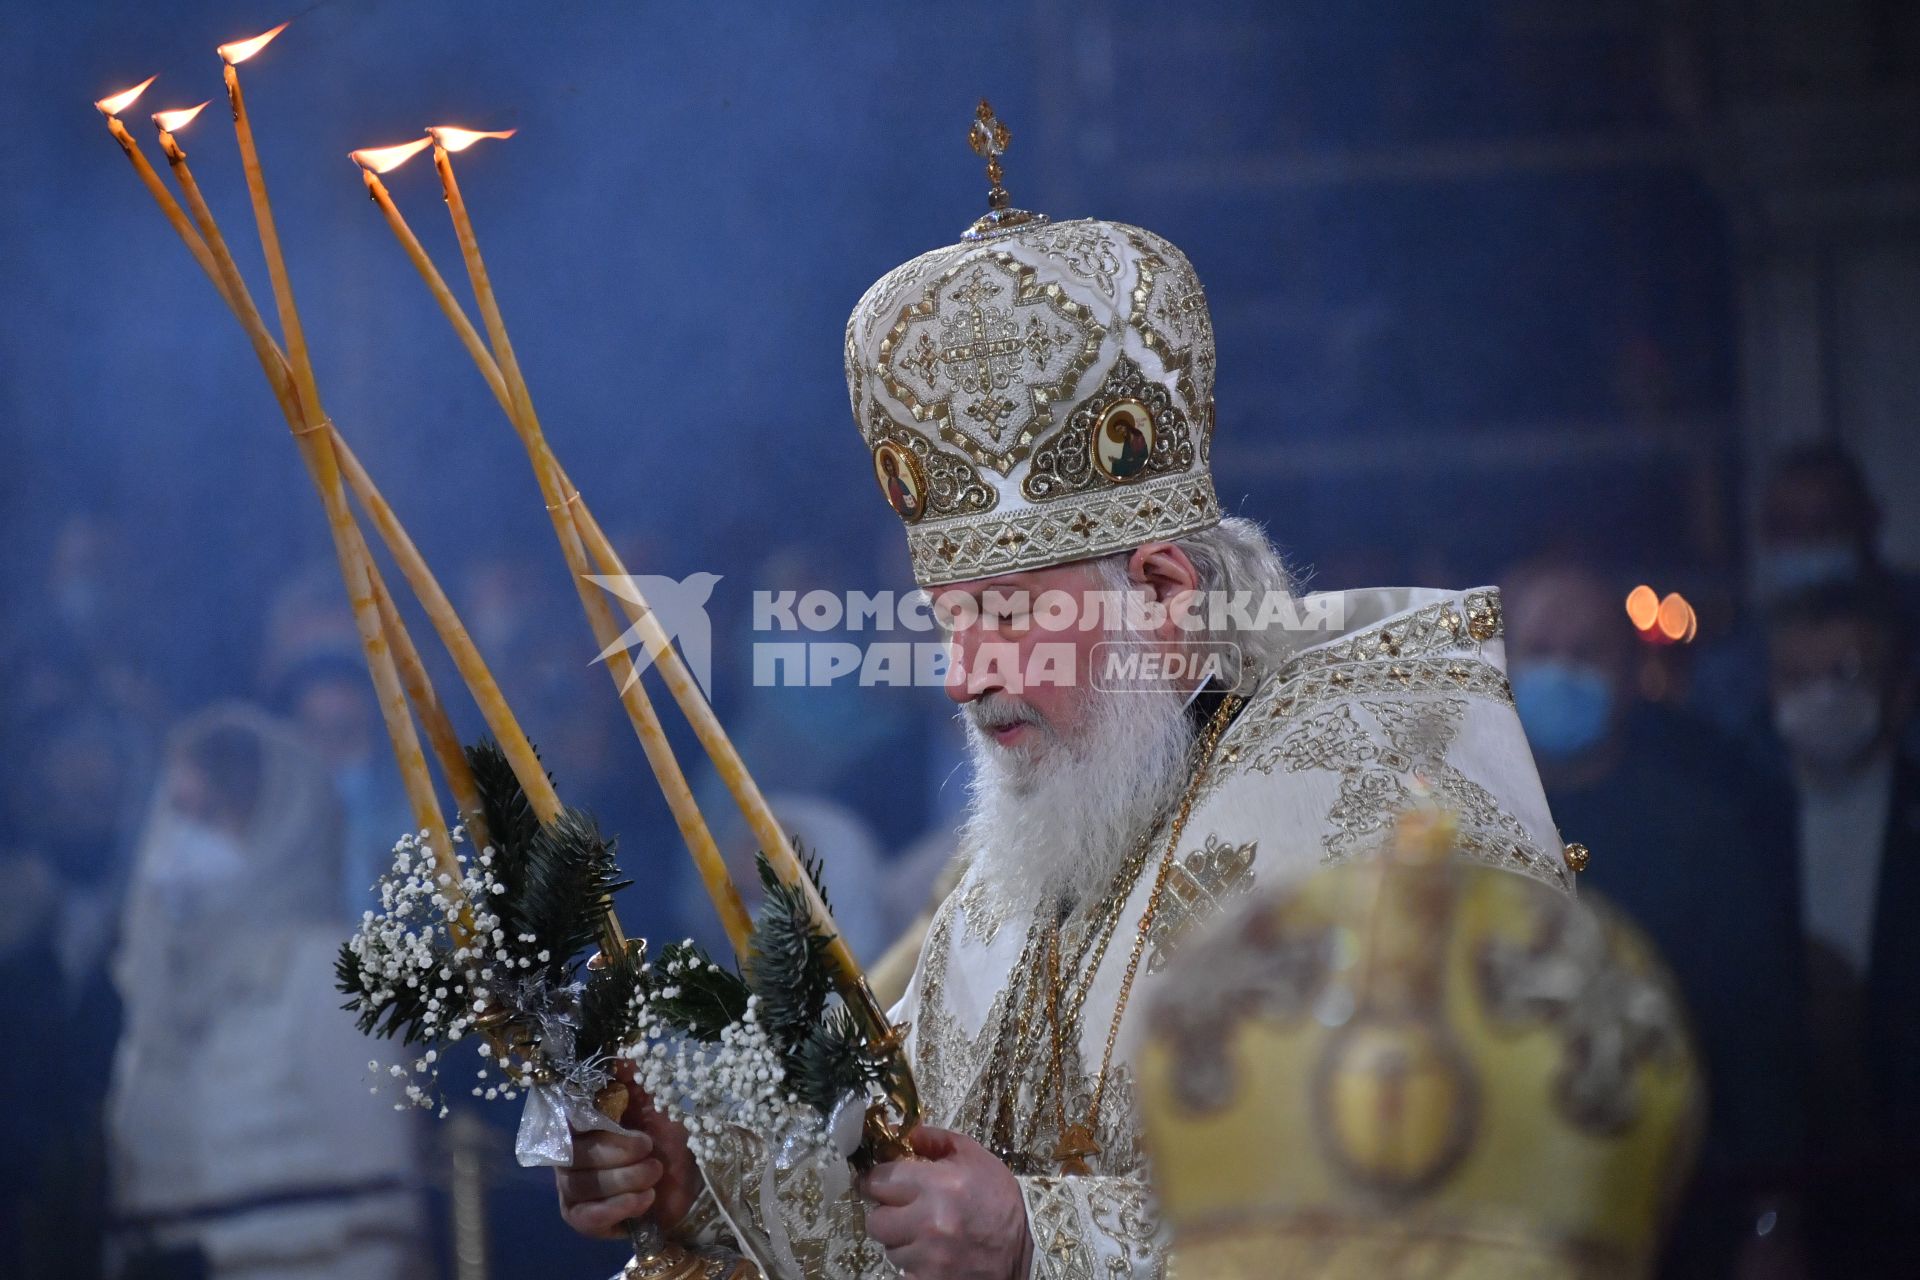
(709, 1086)
(410, 944)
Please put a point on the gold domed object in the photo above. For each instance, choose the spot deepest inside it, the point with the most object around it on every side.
(1578, 856)
(1418, 1067)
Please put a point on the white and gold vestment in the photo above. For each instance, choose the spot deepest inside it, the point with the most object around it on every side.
(1409, 697)
(1041, 393)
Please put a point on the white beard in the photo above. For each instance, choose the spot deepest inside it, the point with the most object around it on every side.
(1055, 824)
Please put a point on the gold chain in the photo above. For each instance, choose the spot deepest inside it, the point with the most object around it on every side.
(1076, 1142)
(1013, 1045)
(1018, 1033)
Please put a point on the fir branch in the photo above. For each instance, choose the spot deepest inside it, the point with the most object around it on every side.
(608, 1019)
(706, 999)
(788, 968)
(563, 879)
(557, 877)
(509, 815)
(811, 863)
(830, 1062)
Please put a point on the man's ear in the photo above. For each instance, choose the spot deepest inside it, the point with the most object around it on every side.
(1165, 571)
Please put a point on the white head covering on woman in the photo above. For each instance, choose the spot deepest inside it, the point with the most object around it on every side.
(238, 1075)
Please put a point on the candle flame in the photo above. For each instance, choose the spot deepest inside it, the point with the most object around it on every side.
(175, 121)
(121, 101)
(239, 51)
(387, 159)
(453, 138)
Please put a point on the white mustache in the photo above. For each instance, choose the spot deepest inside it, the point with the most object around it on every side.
(1000, 711)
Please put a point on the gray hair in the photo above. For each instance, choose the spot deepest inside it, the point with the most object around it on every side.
(1234, 560)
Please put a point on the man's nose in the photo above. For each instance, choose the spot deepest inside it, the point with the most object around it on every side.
(968, 678)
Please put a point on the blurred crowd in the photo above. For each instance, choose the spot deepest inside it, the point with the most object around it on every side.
(178, 866)
(186, 839)
(1752, 801)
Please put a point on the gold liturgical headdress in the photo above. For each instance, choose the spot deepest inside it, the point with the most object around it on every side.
(1417, 1066)
(1038, 393)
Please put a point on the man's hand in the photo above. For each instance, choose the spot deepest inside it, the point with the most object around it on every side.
(615, 1177)
(955, 1213)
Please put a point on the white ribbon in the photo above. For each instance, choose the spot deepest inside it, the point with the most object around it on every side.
(553, 1114)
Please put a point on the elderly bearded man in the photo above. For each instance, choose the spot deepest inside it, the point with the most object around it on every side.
(1104, 824)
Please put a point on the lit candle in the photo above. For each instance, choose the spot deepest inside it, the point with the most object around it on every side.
(561, 501)
(434, 601)
(111, 107)
(413, 677)
(375, 161)
(446, 622)
(305, 389)
(355, 562)
(316, 447)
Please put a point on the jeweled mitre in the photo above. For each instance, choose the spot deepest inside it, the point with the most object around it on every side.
(1039, 392)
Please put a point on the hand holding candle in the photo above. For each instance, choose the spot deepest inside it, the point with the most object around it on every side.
(395, 665)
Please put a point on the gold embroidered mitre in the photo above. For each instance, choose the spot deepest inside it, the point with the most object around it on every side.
(1038, 393)
(1418, 1068)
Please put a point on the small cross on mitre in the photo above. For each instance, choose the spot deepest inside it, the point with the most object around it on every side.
(988, 135)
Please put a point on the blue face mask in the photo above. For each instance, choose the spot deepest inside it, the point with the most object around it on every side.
(1565, 707)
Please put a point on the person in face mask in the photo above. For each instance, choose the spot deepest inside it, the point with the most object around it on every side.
(1819, 523)
(1690, 843)
(1568, 657)
(1841, 687)
(1842, 696)
(241, 1140)
(1820, 527)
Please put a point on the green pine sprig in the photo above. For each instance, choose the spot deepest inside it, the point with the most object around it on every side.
(818, 1041)
(558, 876)
(787, 960)
(511, 821)
(831, 1062)
(787, 972)
(401, 1012)
(707, 997)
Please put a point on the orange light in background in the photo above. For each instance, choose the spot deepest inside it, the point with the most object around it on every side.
(175, 121)
(1676, 620)
(1643, 607)
(239, 51)
(1668, 619)
(454, 138)
(387, 159)
(119, 102)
